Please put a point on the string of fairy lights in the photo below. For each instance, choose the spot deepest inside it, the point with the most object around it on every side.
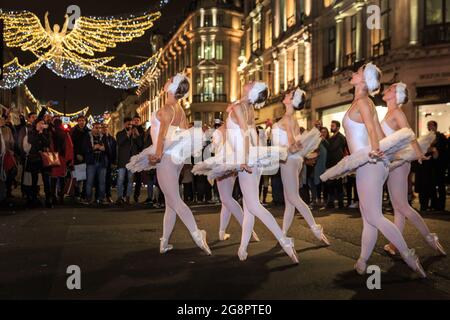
(64, 53)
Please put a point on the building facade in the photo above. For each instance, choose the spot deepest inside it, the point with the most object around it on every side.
(206, 47)
(316, 44)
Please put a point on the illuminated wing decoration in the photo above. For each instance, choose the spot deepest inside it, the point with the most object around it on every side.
(24, 30)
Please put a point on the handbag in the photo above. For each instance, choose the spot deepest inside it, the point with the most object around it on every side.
(50, 159)
(9, 162)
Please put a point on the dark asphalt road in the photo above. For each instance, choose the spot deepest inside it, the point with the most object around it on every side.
(117, 251)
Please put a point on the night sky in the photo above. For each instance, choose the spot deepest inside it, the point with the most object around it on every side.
(88, 91)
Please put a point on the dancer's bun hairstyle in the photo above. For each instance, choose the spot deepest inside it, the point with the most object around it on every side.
(258, 94)
(299, 99)
(402, 93)
(180, 86)
(372, 76)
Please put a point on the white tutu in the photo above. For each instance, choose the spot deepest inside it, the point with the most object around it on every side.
(310, 142)
(389, 145)
(181, 147)
(408, 154)
(267, 159)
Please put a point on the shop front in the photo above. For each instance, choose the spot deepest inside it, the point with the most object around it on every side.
(433, 104)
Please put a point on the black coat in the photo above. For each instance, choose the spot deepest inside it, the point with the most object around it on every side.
(336, 149)
(127, 146)
(112, 149)
(78, 138)
(39, 142)
(90, 155)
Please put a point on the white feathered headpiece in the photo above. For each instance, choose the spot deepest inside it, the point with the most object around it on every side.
(298, 98)
(401, 92)
(176, 83)
(258, 87)
(372, 77)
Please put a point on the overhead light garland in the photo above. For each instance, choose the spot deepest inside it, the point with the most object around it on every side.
(14, 74)
(62, 51)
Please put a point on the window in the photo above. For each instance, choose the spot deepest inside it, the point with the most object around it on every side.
(208, 50)
(350, 48)
(381, 38)
(208, 88)
(198, 82)
(434, 12)
(330, 54)
(208, 20)
(219, 84)
(220, 20)
(437, 22)
(353, 33)
(219, 50)
(256, 35)
(199, 51)
(283, 15)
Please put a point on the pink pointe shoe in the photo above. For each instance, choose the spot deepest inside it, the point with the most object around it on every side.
(255, 237)
(433, 241)
(318, 233)
(288, 246)
(413, 262)
(223, 236)
(390, 249)
(164, 246)
(199, 237)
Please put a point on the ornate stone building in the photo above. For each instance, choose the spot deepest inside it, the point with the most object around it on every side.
(207, 47)
(318, 43)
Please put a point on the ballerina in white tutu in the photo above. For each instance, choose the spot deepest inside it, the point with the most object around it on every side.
(225, 186)
(396, 96)
(241, 135)
(286, 133)
(165, 126)
(363, 130)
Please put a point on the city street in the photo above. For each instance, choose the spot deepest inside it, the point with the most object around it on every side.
(117, 250)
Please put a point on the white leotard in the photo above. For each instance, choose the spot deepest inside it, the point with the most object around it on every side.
(386, 128)
(356, 134)
(280, 139)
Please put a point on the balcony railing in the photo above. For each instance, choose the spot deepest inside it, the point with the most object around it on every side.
(209, 97)
(382, 48)
(436, 34)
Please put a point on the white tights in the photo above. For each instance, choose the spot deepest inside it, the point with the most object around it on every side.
(249, 184)
(290, 171)
(398, 191)
(229, 205)
(369, 181)
(168, 174)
